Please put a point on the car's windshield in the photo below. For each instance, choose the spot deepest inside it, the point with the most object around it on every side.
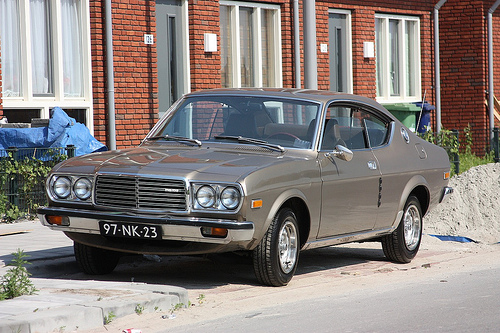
(278, 121)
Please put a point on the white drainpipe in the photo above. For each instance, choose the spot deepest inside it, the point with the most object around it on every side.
(310, 57)
(491, 92)
(437, 65)
(296, 37)
(110, 76)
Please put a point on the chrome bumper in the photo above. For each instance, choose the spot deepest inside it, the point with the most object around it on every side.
(446, 191)
(174, 228)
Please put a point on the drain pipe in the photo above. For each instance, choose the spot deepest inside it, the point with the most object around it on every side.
(491, 93)
(437, 64)
(110, 76)
(310, 57)
(296, 37)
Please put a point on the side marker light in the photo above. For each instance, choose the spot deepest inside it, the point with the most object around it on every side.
(256, 203)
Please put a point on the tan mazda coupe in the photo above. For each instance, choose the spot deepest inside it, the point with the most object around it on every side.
(269, 172)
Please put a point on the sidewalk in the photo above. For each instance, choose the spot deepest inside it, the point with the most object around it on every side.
(68, 305)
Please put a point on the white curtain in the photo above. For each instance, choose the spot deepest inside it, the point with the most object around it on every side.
(394, 56)
(10, 42)
(72, 48)
(41, 58)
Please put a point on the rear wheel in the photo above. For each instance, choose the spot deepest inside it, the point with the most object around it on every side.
(275, 258)
(403, 244)
(95, 261)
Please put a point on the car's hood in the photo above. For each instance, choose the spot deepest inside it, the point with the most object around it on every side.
(224, 164)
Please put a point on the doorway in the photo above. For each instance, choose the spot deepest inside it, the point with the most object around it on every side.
(170, 53)
(340, 51)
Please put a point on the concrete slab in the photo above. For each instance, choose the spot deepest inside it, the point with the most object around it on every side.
(69, 305)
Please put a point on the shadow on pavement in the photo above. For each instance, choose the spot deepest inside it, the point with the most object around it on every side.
(55, 253)
(204, 272)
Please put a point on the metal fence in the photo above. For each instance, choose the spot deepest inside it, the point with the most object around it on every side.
(476, 142)
(495, 145)
(22, 178)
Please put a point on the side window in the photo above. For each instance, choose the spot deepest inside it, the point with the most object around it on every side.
(341, 127)
(352, 127)
(377, 131)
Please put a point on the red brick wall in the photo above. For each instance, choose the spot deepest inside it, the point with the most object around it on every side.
(287, 42)
(464, 68)
(363, 30)
(496, 55)
(136, 85)
(463, 58)
(205, 67)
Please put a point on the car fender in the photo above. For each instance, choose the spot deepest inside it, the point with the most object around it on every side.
(278, 203)
(413, 182)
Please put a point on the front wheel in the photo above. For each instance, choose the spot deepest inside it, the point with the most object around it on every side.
(275, 258)
(95, 261)
(403, 244)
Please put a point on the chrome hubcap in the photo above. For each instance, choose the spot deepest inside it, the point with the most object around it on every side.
(412, 226)
(287, 247)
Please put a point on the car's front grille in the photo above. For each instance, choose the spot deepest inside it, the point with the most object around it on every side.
(140, 193)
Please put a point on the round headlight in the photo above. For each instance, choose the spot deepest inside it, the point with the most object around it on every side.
(230, 197)
(83, 188)
(206, 196)
(62, 187)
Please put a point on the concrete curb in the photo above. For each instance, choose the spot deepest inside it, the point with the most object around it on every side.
(79, 305)
(68, 305)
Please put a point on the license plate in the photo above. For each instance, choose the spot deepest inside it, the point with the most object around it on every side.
(130, 230)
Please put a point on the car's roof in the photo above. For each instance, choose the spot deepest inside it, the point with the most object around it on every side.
(321, 96)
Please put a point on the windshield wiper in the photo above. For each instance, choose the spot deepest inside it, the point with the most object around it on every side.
(176, 138)
(257, 142)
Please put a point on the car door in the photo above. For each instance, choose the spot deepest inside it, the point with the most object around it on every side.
(396, 171)
(350, 189)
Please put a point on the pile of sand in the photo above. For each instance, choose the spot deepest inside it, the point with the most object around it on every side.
(473, 210)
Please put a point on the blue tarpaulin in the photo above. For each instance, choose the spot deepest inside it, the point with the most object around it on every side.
(460, 239)
(61, 132)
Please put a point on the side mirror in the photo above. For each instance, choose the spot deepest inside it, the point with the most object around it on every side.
(342, 153)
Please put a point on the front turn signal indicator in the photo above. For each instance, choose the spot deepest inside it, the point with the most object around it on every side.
(214, 232)
(57, 220)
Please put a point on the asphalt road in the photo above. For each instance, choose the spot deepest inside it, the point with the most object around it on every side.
(465, 302)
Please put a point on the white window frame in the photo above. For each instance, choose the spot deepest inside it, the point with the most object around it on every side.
(46, 103)
(348, 14)
(257, 59)
(384, 63)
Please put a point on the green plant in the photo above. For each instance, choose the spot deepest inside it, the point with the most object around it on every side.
(16, 281)
(446, 139)
(109, 317)
(21, 178)
(462, 153)
(12, 213)
(201, 299)
(176, 307)
(139, 309)
(469, 160)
